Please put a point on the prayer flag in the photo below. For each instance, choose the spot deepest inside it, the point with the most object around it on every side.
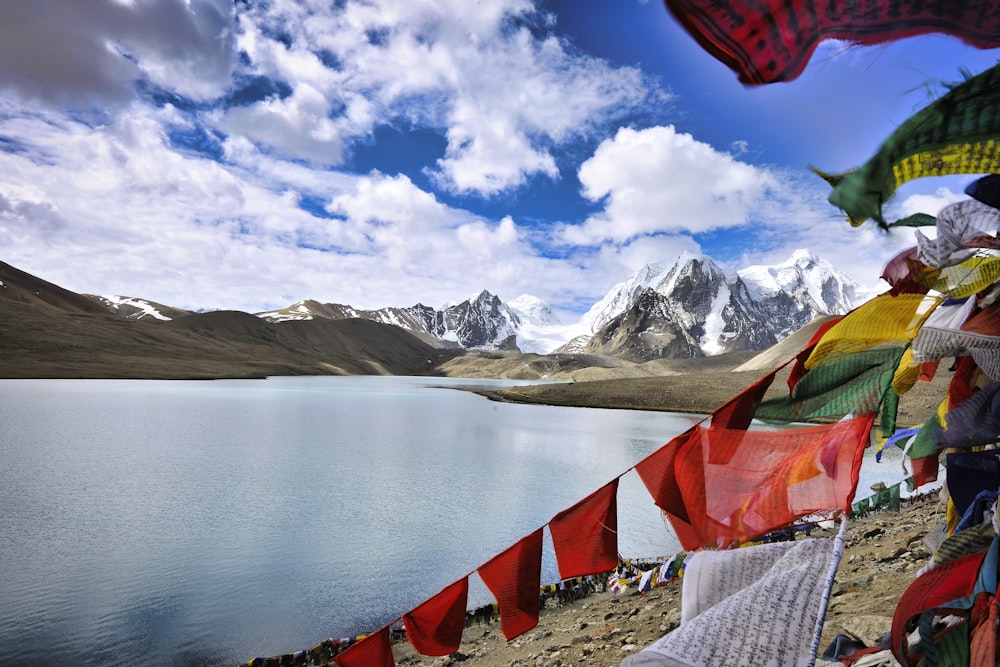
(956, 134)
(585, 536)
(766, 41)
(646, 581)
(374, 650)
(763, 483)
(752, 606)
(658, 472)
(961, 229)
(514, 577)
(976, 421)
(855, 384)
(435, 627)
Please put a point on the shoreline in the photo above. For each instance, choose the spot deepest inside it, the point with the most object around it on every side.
(883, 552)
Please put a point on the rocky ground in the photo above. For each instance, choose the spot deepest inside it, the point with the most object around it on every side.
(882, 555)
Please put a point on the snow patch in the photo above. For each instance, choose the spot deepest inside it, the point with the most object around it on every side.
(145, 308)
(711, 342)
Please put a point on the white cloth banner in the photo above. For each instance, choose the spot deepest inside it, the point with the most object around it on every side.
(752, 606)
(957, 224)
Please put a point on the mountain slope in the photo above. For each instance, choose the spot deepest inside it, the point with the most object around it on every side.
(17, 285)
(481, 322)
(47, 332)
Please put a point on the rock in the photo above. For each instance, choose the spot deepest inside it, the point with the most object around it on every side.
(867, 628)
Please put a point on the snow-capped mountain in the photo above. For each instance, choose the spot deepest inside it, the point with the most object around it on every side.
(693, 310)
(539, 330)
(481, 322)
(795, 291)
(688, 308)
(621, 296)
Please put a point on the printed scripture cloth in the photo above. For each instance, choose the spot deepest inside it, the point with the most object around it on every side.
(753, 606)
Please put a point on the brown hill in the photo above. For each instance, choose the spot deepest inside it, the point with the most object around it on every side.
(25, 288)
(50, 332)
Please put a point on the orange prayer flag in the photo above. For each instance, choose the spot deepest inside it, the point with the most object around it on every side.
(765, 480)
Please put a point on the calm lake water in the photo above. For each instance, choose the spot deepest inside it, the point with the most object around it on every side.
(205, 523)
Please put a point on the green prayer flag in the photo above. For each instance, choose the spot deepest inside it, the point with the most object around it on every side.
(925, 443)
(851, 384)
(959, 133)
(860, 507)
(890, 407)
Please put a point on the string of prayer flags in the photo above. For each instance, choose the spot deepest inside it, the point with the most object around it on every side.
(767, 41)
(374, 650)
(514, 577)
(585, 536)
(884, 320)
(435, 627)
(956, 134)
(855, 367)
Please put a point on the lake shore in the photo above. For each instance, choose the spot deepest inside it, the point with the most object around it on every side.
(883, 553)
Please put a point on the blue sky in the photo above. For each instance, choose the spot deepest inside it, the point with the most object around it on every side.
(210, 154)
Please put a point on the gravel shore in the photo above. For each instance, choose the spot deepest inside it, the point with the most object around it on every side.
(882, 555)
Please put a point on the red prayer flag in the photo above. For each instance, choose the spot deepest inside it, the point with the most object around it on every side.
(435, 627)
(765, 481)
(374, 650)
(938, 586)
(585, 536)
(658, 473)
(925, 469)
(927, 370)
(764, 41)
(737, 412)
(514, 577)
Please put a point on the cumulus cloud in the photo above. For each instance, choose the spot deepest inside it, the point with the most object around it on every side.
(114, 209)
(297, 127)
(480, 74)
(85, 51)
(659, 180)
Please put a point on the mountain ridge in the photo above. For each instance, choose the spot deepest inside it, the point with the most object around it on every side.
(756, 308)
(689, 309)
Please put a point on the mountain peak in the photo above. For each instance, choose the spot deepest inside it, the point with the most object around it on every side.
(529, 307)
(689, 256)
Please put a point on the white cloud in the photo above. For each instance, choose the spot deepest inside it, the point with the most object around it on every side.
(298, 126)
(90, 50)
(501, 96)
(114, 209)
(659, 180)
(929, 203)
